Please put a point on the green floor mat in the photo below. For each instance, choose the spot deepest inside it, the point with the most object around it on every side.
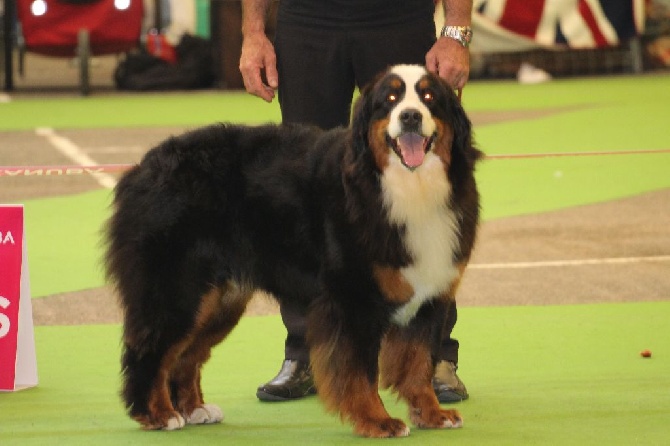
(536, 375)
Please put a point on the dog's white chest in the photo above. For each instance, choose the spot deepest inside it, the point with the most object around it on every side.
(418, 200)
(433, 270)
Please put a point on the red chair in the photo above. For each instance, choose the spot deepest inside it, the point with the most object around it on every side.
(80, 28)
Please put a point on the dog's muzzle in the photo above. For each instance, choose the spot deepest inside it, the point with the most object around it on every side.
(411, 145)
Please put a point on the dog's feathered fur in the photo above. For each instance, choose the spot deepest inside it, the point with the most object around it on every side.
(372, 235)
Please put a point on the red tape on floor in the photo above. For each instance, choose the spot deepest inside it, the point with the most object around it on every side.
(20, 171)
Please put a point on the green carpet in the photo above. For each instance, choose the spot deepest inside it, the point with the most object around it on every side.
(136, 110)
(633, 99)
(64, 239)
(537, 375)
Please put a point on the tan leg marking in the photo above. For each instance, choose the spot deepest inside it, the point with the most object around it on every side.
(348, 391)
(219, 312)
(407, 368)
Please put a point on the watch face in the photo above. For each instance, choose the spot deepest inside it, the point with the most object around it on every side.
(463, 34)
(467, 35)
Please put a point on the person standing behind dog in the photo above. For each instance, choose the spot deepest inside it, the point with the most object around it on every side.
(323, 50)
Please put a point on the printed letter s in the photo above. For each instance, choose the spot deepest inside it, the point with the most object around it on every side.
(4, 320)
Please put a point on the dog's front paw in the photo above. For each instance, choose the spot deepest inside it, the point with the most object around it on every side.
(451, 419)
(385, 428)
(205, 414)
(174, 423)
(436, 419)
(168, 421)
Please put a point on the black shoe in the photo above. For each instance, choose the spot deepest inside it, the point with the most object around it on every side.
(294, 381)
(447, 385)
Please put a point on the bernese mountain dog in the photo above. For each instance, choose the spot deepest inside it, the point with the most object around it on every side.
(370, 226)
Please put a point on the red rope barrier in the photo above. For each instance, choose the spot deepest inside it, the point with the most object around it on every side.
(574, 154)
(20, 171)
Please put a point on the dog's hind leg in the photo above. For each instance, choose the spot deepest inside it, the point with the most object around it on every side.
(162, 366)
(407, 366)
(218, 315)
(145, 390)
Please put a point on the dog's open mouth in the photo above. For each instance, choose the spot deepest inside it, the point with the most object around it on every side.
(411, 148)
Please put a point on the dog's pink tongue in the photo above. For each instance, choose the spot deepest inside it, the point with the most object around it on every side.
(412, 149)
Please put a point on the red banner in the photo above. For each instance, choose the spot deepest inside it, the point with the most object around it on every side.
(17, 346)
(574, 23)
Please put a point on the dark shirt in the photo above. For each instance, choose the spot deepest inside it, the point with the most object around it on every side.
(354, 13)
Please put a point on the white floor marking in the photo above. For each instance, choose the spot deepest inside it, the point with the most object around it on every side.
(74, 152)
(114, 150)
(559, 263)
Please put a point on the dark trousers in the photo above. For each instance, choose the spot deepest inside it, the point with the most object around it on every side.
(296, 347)
(319, 69)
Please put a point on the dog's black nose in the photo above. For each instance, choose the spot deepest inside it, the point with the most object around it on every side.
(410, 119)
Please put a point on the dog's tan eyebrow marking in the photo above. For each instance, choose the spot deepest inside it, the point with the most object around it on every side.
(395, 82)
(424, 83)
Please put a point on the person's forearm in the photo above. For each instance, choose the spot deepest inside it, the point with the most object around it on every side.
(254, 13)
(457, 12)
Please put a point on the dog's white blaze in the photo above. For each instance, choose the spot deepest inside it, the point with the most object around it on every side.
(418, 200)
(410, 74)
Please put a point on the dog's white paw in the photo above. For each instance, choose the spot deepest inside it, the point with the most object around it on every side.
(206, 414)
(175, 423)
(404, 433)
(453, 424)
(215, 413)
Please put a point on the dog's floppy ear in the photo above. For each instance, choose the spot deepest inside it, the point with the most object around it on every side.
(363, 111)
(462, 146)
(361, 116)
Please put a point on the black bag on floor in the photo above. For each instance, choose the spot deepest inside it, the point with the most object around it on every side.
(143, 72)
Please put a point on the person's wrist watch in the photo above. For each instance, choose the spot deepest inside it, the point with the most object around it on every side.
(462, 34)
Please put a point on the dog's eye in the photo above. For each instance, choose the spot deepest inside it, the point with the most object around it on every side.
(391, 98)
(428, 96)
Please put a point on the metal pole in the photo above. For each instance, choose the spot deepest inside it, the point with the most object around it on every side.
(158, 15)
(8, 22)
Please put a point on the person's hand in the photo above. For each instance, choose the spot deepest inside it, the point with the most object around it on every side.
(258, 55)
(450, 60)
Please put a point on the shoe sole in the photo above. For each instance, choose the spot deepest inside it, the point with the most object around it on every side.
(268, 397)
(451, 397)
